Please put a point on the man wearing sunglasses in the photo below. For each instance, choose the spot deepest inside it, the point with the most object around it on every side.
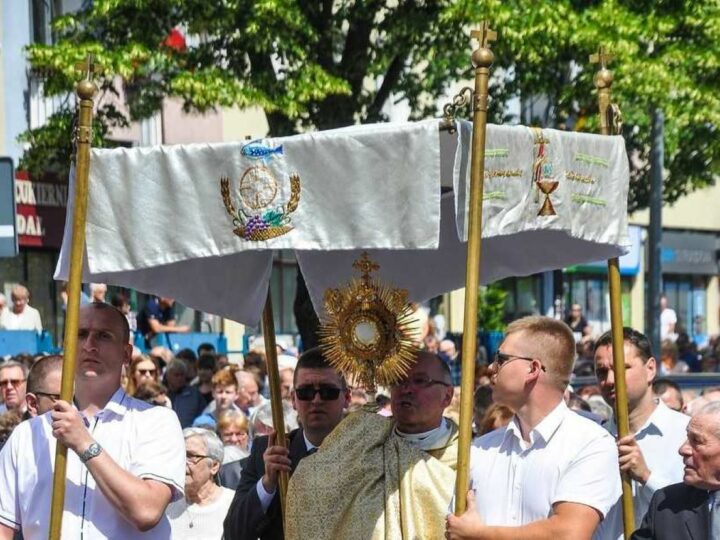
(391, 477)
(13, 385)
(43, 385)
(320, 396)
(550, 473)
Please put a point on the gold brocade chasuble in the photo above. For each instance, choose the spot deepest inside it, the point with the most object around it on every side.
(368, 483)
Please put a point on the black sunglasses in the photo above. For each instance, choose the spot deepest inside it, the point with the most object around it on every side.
(54, 397)
(327, 393)
(501, 359)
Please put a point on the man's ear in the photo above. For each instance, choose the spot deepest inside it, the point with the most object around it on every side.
(449, 393)
(128, 354)
(651, 367)
(31, 402)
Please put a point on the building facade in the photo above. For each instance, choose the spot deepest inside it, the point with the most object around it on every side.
(41, 202)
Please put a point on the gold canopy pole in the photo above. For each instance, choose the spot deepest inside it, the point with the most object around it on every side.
(268, 330)
(85, 90)
(482, 59)
(610, 125)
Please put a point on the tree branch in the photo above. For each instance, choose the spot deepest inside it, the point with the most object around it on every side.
(392, 76)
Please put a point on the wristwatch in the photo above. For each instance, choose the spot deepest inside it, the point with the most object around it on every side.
(92, 451)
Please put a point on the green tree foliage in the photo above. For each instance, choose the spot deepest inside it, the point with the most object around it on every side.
(324, 64)
(491, 308)
(329, 63)
(667, 54)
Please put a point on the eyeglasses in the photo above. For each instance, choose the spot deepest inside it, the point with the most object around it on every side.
(53, 397)
(500, 359)
(146, 371)
(12, 382)
(194, 458)
(420, 381)
(327, 393)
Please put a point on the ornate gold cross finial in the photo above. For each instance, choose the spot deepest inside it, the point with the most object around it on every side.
(601, 57)
(484, 35)
(365, 266)
(89, 68)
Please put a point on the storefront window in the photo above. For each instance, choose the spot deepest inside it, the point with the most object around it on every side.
(524, 294)
(688, 297)
(591, 291)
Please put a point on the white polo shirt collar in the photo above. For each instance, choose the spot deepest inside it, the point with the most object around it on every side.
(543, 431)
(116, 405)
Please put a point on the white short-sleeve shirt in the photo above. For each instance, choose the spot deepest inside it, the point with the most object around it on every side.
(29, 319)
(659, 441)
(143, 439)
(568, 459)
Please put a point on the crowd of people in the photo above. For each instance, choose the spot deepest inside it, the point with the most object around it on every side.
(545, 461)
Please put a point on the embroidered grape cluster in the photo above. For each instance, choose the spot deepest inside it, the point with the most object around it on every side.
(255, 225)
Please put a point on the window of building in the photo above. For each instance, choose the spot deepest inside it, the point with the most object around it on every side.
(687, 295)
(42, 13)
(283, 284)
(592, 292)
(524, 296)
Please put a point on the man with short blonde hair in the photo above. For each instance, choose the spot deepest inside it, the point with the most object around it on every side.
(551, 340)
(570, 461)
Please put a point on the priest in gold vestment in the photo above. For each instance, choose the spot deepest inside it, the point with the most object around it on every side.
(382, 478)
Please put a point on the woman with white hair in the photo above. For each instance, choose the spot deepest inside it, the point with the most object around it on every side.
(200, 514)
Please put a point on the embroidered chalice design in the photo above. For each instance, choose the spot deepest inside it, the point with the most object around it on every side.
(547, 187)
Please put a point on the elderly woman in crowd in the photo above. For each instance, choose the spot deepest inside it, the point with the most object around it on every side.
(232, 426)
(201, 512)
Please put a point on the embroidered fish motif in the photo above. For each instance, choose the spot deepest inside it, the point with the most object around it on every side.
(256, 150)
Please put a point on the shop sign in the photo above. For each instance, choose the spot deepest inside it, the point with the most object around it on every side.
(689, 253)
(41, 207)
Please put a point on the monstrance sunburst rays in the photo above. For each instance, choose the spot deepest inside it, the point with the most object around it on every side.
(367, 331)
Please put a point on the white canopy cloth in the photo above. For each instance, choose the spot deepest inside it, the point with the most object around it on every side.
(198, 222)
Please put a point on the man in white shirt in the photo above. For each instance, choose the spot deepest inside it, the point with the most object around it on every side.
(650, 455)
(550, 473)
(21, 316)
(125, 461)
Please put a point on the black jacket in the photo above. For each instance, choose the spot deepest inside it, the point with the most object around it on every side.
(677, 512)
(245, 519)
